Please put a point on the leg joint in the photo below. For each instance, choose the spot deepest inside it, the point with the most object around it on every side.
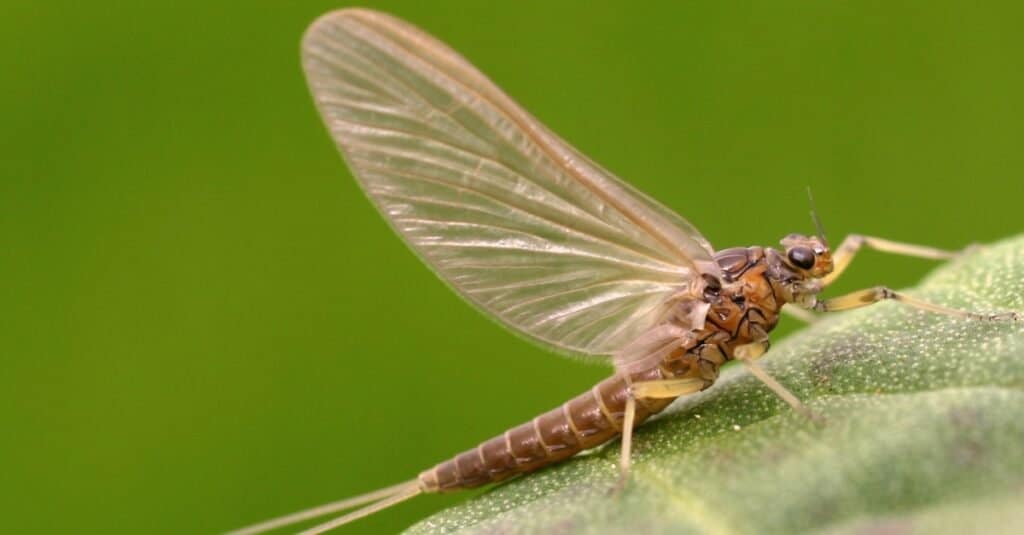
(884, 292)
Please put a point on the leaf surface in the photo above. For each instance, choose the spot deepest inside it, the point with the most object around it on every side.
(924, 433)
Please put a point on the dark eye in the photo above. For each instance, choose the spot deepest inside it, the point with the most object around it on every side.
(802, 257)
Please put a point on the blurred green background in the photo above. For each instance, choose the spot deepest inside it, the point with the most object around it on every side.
(205, 323)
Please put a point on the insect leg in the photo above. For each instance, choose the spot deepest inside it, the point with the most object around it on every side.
(757, 371)
(667, 388)
(660, 389)
(748, 355)
(627, 442)
(871, 296)
(801, 314)
(842, 256)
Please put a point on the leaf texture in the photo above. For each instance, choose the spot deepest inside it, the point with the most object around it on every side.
(924, 434)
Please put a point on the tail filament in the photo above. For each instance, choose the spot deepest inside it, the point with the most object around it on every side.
(371, 502)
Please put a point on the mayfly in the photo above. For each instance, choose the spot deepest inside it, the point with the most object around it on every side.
(554, 247)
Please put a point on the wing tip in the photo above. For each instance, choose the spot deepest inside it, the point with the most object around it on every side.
(327, 21)
(360, 15)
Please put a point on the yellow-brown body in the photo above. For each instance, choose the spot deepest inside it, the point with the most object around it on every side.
(753, 290)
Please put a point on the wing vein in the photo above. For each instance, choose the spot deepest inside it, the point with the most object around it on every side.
(501, 108)
(468, 152)
(425, 101)
(518, 222)
(608, 314)
(414, 176)
(575, 289)
(516, 116)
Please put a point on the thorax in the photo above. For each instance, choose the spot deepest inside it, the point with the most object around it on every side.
(700, 335)
(750, 299)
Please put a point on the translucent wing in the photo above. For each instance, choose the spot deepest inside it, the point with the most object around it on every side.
(516, 220)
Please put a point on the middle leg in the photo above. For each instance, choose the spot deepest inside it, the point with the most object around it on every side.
(748, 355)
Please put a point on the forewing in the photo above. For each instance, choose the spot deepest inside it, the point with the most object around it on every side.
(516, 220)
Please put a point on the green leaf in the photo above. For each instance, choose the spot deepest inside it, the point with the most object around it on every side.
(924, 433)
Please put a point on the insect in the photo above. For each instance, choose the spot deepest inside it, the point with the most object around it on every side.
(544, 240)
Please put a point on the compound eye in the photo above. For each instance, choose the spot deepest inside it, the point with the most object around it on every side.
(802, 257)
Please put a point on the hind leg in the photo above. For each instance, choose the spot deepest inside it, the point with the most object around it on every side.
(662, 389)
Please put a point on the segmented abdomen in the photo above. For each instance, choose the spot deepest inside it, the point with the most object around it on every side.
(583, 422)
(596, 416)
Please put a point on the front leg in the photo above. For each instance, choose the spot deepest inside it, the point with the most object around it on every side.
(870, 296)
(850, 246)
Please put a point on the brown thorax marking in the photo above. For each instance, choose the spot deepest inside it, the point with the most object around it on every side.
(756, 283)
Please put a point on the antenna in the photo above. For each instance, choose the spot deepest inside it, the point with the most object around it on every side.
(814, 216)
